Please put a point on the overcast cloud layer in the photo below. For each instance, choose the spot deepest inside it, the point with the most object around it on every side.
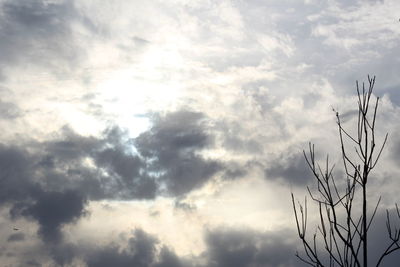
(170, 133)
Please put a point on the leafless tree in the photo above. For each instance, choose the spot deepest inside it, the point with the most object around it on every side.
(341, 235)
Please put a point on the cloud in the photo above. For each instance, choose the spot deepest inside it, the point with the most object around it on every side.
(163, 159)
(128, 168)
(141, 250)
(64, 253)
(266, 78)
(17, 237)
(172, 149)
(38, 32)
(291, 168)
(50, 182)
(169, 259)
(52, 210)
(234, 138)
(224, 247)
(114, 165)
(9, 111)
(32, 263)
(237, 248)
(15, 174)
(380, 235)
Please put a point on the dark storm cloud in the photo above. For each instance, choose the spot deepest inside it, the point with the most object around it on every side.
(141, 251)
(39, 186)
(292, 169)
(241, 248)
(54, 209)
(127, 167)
(171, 147)
(165, 158)
(224, 247)
(51, 210)
(64, 253)
(14, 175)
(27, 197)
(50, 182)
(116, 172)
(169, 259)
(173, 133)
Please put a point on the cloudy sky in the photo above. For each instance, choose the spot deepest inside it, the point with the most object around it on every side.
(170, 133)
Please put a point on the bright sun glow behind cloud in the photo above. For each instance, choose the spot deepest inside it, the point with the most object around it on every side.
(144, 87)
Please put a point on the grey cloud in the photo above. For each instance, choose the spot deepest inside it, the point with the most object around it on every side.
(116, 173)
(15, 166)
(348, 115)
(135, 43)
(38, 32)
(182, 205)
(164, 159)
(141, 251)
(174, 133)
(32, 263)
(167, 159)
(387, 80)
(394, 93)
(384, 68)
(71, 146)
(241, 248)
(64, 253)
(54, 209)
(394, 149)
(379, 240)
(140, 41)
(310, 99)
(236, 169)
(16, 237)
(35, 15)
(20, 188)
(171, 147)
(51, 181)
(234, 138)
(292, 169)
(190, 174)
(224, 247)
(323, 58)
(380, 237)
(128, 168)
(9, 110)
(169, 259)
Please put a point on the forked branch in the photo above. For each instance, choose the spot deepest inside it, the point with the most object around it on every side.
(341, 236)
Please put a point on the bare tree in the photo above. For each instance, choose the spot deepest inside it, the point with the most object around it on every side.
(341, 235)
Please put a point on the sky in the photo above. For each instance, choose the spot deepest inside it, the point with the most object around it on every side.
(171, 133)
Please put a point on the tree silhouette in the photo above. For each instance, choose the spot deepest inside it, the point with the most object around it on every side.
(341, 236)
